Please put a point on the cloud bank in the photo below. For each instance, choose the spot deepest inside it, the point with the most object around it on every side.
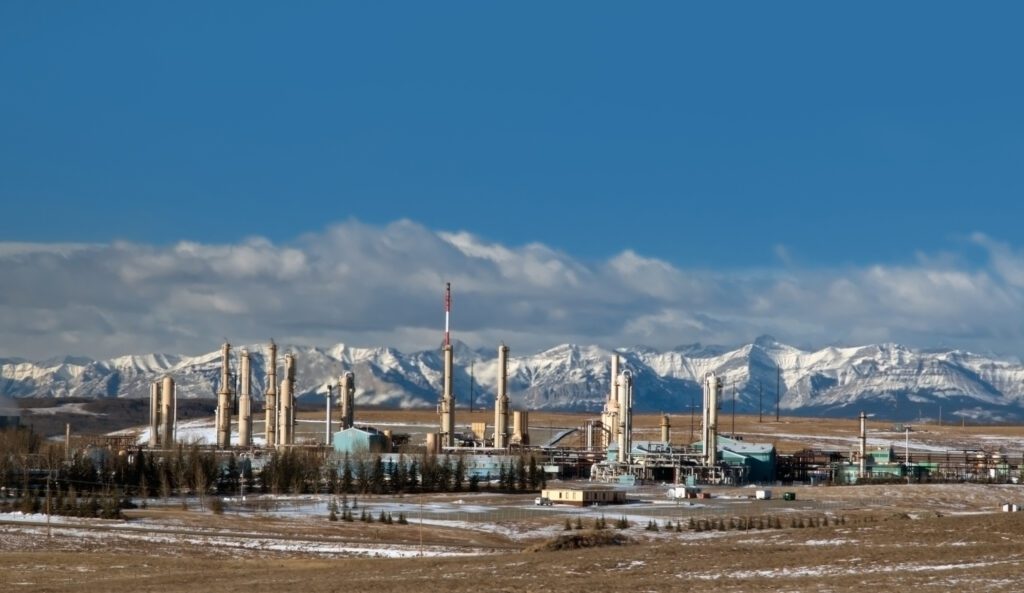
(372, 285)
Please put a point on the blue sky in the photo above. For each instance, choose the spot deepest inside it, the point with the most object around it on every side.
(753, 141)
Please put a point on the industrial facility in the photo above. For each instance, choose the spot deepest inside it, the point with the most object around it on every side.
(603, 449)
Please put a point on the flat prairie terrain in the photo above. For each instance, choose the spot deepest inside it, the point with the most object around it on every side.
(931, 537)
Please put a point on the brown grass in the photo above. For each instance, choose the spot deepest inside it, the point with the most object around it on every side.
(934, 553)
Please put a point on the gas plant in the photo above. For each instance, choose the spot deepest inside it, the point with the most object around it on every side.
(604, 448)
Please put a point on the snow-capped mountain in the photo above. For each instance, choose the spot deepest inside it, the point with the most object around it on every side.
(889, 380)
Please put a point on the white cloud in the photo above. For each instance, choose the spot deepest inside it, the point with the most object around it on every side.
(366, 284)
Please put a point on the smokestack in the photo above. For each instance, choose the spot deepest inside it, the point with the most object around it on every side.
(347, 395)
(167, 403)
(224, 399)
(624, 389)
(154, 415)
(270, 399)
(245, 402)
(447, 407)
(447, 312)
(501, 404)
(664, 429)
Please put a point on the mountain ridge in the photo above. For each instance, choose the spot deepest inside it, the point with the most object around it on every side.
(889, 380)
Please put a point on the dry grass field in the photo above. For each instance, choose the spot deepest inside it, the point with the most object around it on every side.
(932, 537)
(875, 548)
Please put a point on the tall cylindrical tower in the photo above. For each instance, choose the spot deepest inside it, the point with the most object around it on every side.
(270, 400)
(501, 403)
(711, 386)
(347, 395)
(665, 429)
(610, 414)
(167, 412)
(285, 417)
(154, 415)
(224, 399)
(447, 407)
(624, 386)
(245, 401)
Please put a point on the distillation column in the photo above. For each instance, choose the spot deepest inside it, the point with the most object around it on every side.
(224, 399)
(501, 403)
(286, 417)
(347, 395)
(711, 386)
(167, 396)
(665, 429)
(610, 415)
(154, 415)
(270, 400)
(624, 388)
(245, 402)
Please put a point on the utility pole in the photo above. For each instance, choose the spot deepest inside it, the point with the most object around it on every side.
(760, 392)
(778, 390)
(733, 408)
(693, 404)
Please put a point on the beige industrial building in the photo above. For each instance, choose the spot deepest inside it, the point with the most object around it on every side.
(582, 496)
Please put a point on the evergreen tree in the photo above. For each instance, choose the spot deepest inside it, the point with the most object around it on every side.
(400, 483)
(347, 485)
(459, 474)
(502, 477)
(520, 475)
(363, 470)
(412, 485)
(376, 479)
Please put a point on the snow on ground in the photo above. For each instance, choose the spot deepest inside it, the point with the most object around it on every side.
(201, 432)
(78, 408)
(830, 570)
(261, 542)
(898, 440)
(19, 517)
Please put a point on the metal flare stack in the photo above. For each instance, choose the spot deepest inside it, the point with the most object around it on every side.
(446, 408)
